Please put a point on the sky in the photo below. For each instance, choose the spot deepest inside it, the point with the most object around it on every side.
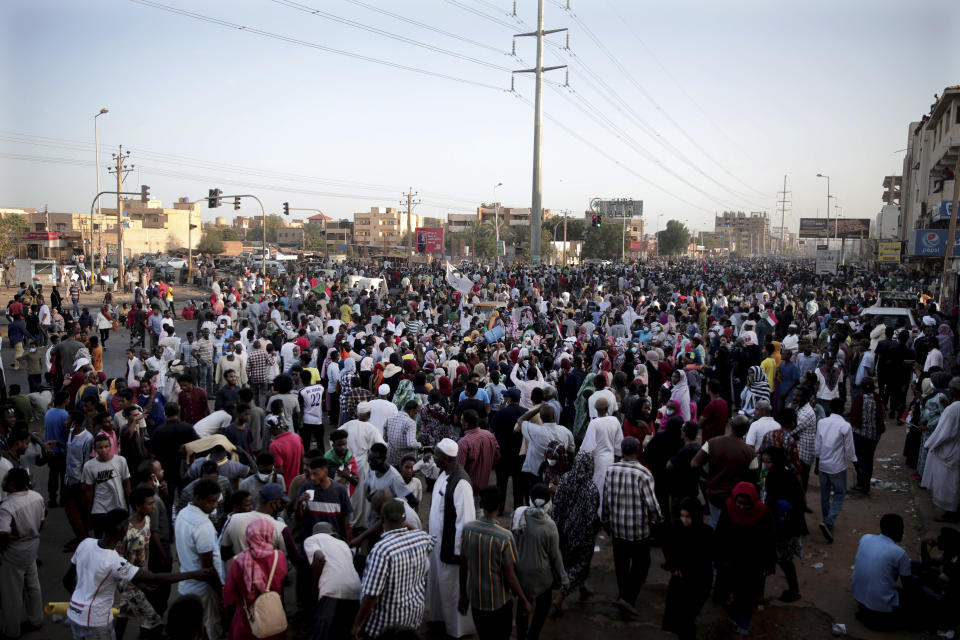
(693, 106)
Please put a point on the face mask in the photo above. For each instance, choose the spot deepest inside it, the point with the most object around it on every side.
(669, 412)
(33, 350)
(552, 463)
(263, 477)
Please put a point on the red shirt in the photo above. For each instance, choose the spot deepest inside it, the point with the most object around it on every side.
(715, 416)
(479, 451)
(193, 405)
(287, 448)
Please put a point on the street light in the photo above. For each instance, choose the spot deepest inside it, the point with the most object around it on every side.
(496, 224)
(96, 155)
(821, 175)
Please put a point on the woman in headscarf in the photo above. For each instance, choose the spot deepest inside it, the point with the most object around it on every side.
(783, 495)
(945, 342)
(556, 462)
(663, 446)
(539, 562)
(404, 393)
(756, 390)
(746, 552)
(687, 556)
(446, 389)
(582, 417)
(348, 369)
(654, 379)
(434, 420)
(256, 570)
(637, 421)
(932, 403)
(575, 507)
(680, 391)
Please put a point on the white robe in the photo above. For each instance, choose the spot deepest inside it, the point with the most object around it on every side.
(941, 474)
(603, 438)
(360, 437)
(443, 584)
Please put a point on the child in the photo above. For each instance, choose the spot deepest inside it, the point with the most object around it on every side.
(411, 481)
(86, 320)
(33, 364)
(237, 431)
(96, 353)
(428, 468)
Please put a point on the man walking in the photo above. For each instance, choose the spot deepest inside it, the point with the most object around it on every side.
(478, 451)
(488, 561)
(197, 550)
(628, 509)
(834, 449)
(451, 508)
(21, 516)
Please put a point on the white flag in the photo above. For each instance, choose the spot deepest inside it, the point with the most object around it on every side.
(459, 282)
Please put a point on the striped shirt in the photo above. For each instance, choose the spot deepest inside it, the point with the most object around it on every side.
(629, 504)
(488, 548)
(396, 573)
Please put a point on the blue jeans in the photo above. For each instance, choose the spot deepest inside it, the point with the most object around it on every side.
(205, 377)
(714, 515)
(76, 309)
(837, 482)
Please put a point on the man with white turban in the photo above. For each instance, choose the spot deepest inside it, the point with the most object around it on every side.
(381, 408)
(451, 507)
(361, 435)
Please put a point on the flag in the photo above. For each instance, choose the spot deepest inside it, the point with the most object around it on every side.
(460, 283)
(772, 318)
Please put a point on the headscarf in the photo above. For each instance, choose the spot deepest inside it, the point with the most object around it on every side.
(443, 384)
(552, 474)
(575, 504)
(582, 417)
(259, 537)
(681, 393)
(739, 516)
(759, 388)
(945, 340)
(404, 392)
(830, 375)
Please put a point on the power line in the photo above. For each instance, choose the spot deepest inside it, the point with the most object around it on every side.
(485, 16)
(649, 97)
(386, 34)
(312, 45)
(428, 27)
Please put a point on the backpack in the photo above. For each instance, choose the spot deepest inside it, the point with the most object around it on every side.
(266, 615)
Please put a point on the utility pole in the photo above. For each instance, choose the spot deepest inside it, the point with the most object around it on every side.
(783, 202)
(120, 170)
(409, 196)
(564, 257)
(536, 209)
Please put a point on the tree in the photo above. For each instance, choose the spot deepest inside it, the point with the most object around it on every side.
(211, 242)
(274, 222)
(228, 233)
(605, 242)
(313, 230)
(479, 237)
(12, 226)
(674, 239)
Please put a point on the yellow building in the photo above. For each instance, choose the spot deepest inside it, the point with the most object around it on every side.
(383, 227)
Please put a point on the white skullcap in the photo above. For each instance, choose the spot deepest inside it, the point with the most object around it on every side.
(448, 447)
(363, 407)
(384, 390)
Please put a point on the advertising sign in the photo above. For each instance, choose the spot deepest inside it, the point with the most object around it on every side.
(617, 207)
(888, 251)
(827, 260)
(42, 235)
(931, 242)
(844, 228)
(429, 239)
(637, 245)
(943, 212)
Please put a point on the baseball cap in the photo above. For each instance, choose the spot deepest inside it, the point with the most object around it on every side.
(273, 491)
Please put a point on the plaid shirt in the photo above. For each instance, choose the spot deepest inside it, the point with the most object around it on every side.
(400, 432)
(396, 573)
(629, 505)
(258, 366)
(354, 397)
(805, 433)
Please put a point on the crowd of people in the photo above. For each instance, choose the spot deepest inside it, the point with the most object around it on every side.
(446, 447)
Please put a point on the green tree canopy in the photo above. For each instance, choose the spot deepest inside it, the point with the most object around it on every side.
(12, 226)
(673, 239)
(274, 222)
(605, 241)
(211, 242)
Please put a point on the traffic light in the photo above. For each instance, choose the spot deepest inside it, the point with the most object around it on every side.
(286, 208)
(596, 219)
(236, 203)
(213, 198)
(144, 193)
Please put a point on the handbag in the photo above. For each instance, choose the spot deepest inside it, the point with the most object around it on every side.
(266, 615)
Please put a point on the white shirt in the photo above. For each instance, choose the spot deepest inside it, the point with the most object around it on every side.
(213, 423)
(99, 572)
(380, 411)
(312, 397)
(603, 393)
(338, 579)
(360, 437)
(758, 429)
(834, 444)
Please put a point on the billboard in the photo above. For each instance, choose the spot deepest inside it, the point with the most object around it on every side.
(637, 245)
(429, 239)
(844, 228)
(827, 260)
(931, 243)
(888, 251)
(617, 207)
(942, 213)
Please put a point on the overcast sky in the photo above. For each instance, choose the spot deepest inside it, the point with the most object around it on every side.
(692, 106)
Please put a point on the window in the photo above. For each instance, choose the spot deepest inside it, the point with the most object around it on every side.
(956, 113)
(61, 226)
(39, 226)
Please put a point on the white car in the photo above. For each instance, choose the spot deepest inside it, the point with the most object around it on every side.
(895, 317)
(172, 263)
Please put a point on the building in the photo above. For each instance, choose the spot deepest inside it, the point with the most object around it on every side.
(746, 234)
(933, 146)
(789, 243)
(888, 222)
(292, 237)
(383, 228)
